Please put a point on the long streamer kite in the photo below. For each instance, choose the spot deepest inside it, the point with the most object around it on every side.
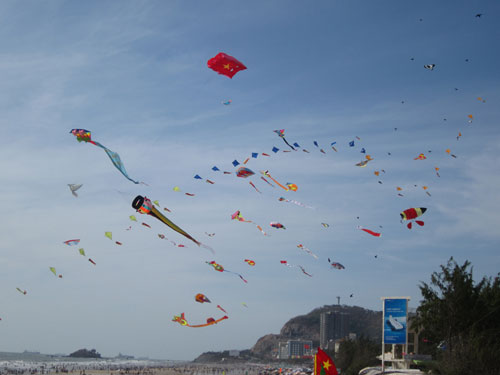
(181, 319)
(292, 265)
(143, 205)
(85, 136)
(220, 268)
(266, 173)
(302, 247)
(237, 216)
(281, 133)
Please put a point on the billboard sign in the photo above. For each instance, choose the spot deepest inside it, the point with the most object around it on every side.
(395, 320)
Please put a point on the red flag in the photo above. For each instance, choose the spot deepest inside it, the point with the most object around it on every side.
(225, 64)
(323, 364)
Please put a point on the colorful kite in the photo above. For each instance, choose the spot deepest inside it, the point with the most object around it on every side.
(85, 136)
(291, 186)
(281, 199)
(91, 261)
(281, 133)
(227, 102)
(109, 235)
(71, 242)
(244, 172)
(218, 267)
(221, 309)
(144, 206)
(21, 291)
(277, 225)
(299, 266)
(374, 234)
(336, 265)
(225, 64)
(74, 188)
(210, 321)
(266, 173)
(250, 262)
(237, 216)
(326, 225)
(448, 152)
(413, 213)
(81, 251)
(420, 157)
(201, 298)
(302, 247)
(53, 270)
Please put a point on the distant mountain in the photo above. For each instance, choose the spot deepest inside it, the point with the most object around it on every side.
(362, 322)
(84, 353)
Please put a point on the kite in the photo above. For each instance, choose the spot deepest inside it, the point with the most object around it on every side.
(220, 268)
(336, 265)
(302, 247)
(21, 291)
(201, 298)
(437, 171)
(244, 304)
(71, 242)
(375, 234)
(281, 133)
(326, 225)
(109, 235)
(53, 270)
(244, 172)
(81, 251)
(91, 261)
(264, 179)
(250, 262)
(459, 135)
(133, 218)
(225, 64)
(426, 192)
(299, 266)
(237, 216)
(146, 225)
(448, 152)
(281, 199)
(210, 321)
(291, 186)
(266, 173)
(210, 234)
(363, 163)
(470, 118)
(74, 188)
(413, 213)
(227, 102)
(277, 225)
(430, 66)
(320, 149)
(333, 148)
(144, 206)
(420, 157)
(85, 136)
(221, 309)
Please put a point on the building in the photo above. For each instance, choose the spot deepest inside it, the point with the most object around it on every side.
(295, 349)
(334, 325)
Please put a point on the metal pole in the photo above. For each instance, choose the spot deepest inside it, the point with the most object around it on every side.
(383, 343)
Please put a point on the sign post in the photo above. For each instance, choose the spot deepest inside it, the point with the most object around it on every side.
(394, 323)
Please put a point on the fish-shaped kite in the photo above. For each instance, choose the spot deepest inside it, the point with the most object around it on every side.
(374, 234)
(277, 225)
(336, 265)
(201, 298)
(85, 136)
(71, 242)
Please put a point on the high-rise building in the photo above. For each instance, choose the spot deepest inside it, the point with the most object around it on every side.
(333, 325)
(295, 349)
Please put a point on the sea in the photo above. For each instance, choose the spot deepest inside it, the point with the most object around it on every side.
(37, 363)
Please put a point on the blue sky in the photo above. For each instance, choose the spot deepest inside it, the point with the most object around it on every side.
(134, 73)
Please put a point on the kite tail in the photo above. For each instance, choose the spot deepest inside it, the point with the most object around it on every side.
(206, 247)
(154, 212)
(277, 183)
(289, 145)
(262, 230)
(250, 182)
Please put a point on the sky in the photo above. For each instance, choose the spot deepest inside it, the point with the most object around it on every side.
(135, 74)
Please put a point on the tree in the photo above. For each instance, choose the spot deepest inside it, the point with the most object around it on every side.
(355, 355)
(461, 319)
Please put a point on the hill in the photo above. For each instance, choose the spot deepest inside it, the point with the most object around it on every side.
(362, 322)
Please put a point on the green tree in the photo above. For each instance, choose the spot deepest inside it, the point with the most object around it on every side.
(355, 355)
(461, 318)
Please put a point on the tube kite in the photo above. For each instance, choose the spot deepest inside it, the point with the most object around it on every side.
(85, 136)
(144, 206)
(210, 321)
(413, 213)
(374, 234)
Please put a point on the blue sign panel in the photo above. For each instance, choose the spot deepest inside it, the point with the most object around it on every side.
(395, 321)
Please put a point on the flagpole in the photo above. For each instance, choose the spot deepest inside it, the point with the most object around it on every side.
(383, 343)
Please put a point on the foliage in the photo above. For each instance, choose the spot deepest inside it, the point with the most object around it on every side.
(355, 355)
(461, 319)
(84, 353)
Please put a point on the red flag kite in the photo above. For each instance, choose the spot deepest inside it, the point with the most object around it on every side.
(225, 64)
(323, 364)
